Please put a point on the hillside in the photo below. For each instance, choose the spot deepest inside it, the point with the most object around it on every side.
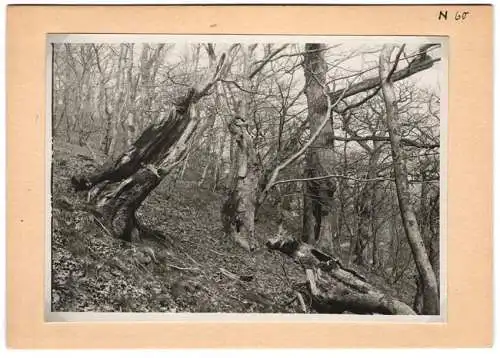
(195, 269)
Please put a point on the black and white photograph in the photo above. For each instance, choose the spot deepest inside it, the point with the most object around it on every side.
(231, 174)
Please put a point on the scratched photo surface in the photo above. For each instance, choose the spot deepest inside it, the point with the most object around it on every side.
(219, 174)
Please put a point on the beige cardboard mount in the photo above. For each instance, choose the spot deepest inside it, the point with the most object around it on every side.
(468, 173)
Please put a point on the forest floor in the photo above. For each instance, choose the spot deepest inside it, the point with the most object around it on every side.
(191, 271)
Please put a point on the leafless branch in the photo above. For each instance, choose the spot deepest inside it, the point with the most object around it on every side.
(395, 64)
(266, 60)
(331, 176)
(295, 156)
(374, 82)
(345, 177)
(220, 70)
(405, 141)
(311, 140)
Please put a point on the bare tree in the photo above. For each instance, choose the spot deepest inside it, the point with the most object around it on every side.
(426, 273)
(320, 158)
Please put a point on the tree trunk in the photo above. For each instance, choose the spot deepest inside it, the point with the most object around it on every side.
(149, 62)
(119, 188)
(320, 157)
(218, 161)
(238, 212)
(132, 82)
(429, 203)
(116, 109)
(426, 273)
(332, 288)
(108, 131)
(365, 210)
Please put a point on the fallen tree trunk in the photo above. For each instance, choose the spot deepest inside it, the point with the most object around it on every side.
(333, 288)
